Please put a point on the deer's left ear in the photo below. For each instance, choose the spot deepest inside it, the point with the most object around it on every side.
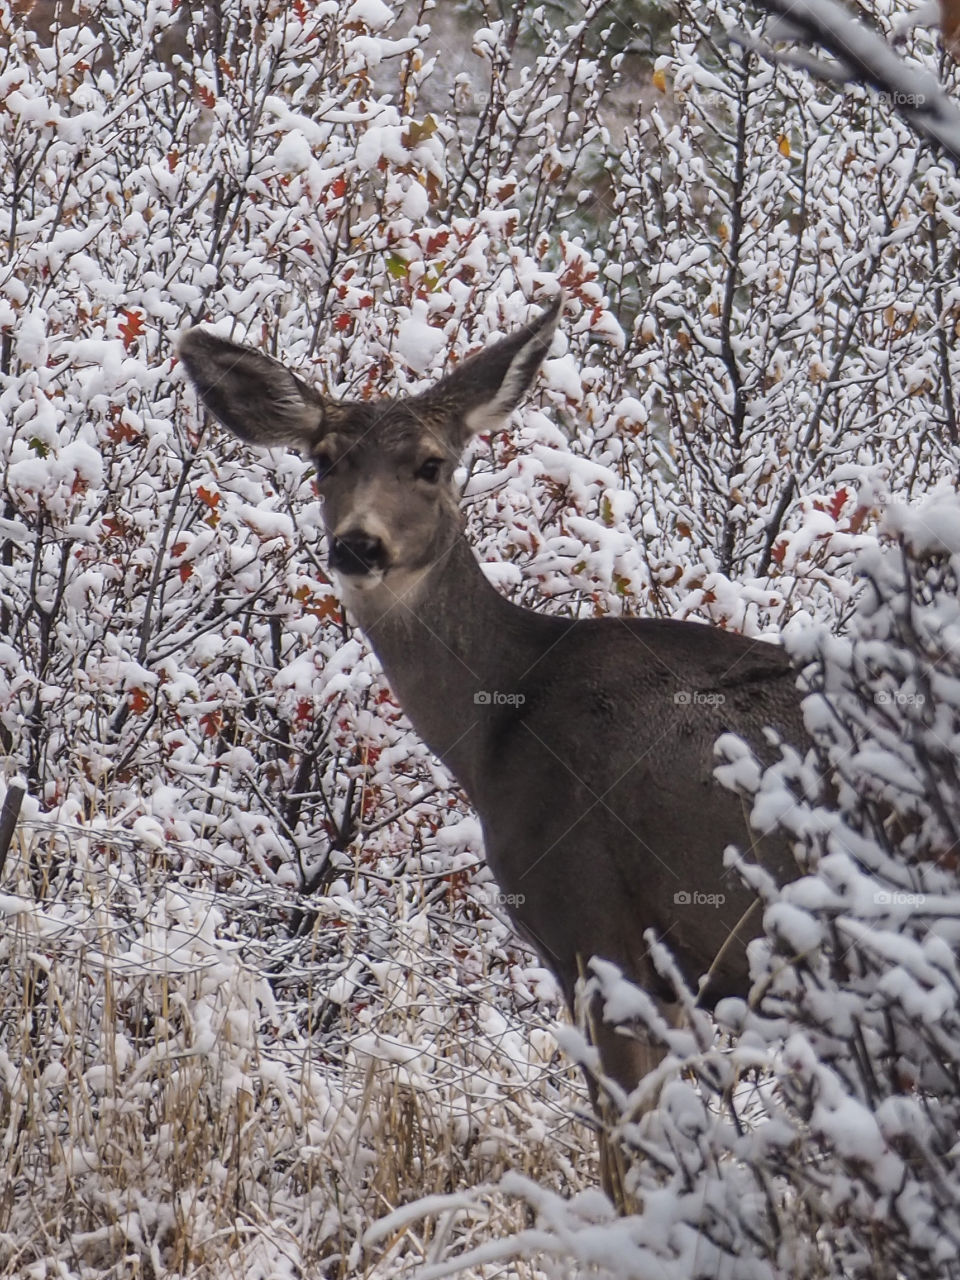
(256, 397)
(482, 392)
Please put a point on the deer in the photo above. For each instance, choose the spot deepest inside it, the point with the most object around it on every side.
(585, 745)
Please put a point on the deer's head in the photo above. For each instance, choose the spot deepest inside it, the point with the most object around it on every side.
(384, 467)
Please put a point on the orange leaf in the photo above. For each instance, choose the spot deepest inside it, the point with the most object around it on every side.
(209, 497)
(326, 608)
(122, 433)
(205, 95)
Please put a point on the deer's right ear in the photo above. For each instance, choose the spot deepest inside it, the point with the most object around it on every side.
(257, 398)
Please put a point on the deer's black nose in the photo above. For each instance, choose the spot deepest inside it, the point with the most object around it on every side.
(357, 552)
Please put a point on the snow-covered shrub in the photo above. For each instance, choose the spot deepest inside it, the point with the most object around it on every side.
(860, 967)
(171, 1093)
(812, 1129)
(782, 257)
(757, 361)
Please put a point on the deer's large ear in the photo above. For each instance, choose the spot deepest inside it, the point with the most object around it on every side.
(257, 398)
(482, 392)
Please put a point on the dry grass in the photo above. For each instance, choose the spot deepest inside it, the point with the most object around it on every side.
(168, 1107)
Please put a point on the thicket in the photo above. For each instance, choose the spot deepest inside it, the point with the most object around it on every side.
(258, 991)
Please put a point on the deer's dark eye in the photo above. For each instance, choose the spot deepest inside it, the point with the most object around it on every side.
(430, 470)
(324, 465)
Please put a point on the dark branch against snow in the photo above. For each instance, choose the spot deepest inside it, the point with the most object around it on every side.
(864, 56)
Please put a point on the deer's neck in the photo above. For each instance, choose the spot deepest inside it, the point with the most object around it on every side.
(456, 654)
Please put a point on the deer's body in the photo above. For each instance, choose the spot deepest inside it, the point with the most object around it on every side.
(586, 747)
(593, 783)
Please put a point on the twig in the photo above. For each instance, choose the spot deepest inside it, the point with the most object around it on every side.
(9, 815)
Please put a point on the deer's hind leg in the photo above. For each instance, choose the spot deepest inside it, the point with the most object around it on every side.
(627, 1060)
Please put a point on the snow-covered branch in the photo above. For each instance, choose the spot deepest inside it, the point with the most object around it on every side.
(862, 55)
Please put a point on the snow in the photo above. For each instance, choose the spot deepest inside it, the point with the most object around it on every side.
(374, 14)
(929, 528)
(294, 153)
(799, 930)
(563, 375)
(417, 342)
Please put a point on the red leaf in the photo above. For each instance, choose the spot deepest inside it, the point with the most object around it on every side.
(122, 433)
(131, 328)
(185, 571)
(206, 95)
(342, 322)
(211, 722)
(837, 501)
(209, 497)
(139, 701)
